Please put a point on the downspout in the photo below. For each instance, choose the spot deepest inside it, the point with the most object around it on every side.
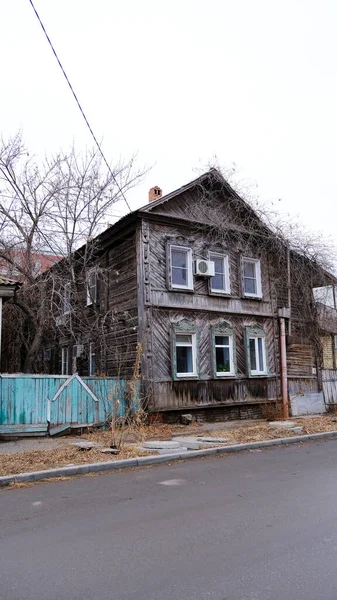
(0, 325)
(284, 376)
(289, 287)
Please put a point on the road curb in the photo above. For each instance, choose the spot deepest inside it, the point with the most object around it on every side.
(151, 460)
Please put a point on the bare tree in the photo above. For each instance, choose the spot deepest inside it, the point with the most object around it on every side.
(298, 260)
(55, 206)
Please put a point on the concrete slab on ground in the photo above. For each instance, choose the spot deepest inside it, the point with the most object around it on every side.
(161, 444)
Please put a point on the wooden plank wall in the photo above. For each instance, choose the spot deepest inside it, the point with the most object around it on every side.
(207, 389)
(123, 304)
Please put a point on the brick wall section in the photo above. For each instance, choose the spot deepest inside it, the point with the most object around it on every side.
(216, 414)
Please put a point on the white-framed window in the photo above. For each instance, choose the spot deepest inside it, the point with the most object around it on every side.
(251, 277)
(91, 287)
(181, 268)
(220, 282)
(257, 354)
(185, 354)
(65, 360)
(335, 341)
(67, 298)
(92, 359)
(224, 354)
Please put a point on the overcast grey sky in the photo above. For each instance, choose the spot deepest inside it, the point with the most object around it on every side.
(178, 81)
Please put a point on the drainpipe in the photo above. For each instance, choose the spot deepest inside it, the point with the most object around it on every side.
(0, 325)
(284, 377)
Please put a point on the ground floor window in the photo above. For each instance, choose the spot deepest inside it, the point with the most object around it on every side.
(185, 354)
(92, 359)
(224, 358)
(65, 360)
(257, 355)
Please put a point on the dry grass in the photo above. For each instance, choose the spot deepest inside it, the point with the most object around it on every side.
(262, 431)
(38, 460)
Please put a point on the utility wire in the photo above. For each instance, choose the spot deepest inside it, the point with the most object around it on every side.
(79, 105)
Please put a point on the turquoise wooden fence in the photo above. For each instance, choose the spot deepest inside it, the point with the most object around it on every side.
(38, 404)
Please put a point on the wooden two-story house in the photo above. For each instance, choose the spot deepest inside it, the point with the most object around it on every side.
(196, 283)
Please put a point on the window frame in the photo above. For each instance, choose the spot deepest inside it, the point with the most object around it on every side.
(224, 330)
(190, 280)
(92, 353)
(65, 360)
(193, 345)
(258, 277)
(67, 298)
(256, 334)
(225, 258)
(91, 298)
(185, 327)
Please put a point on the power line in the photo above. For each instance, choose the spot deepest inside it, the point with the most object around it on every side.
(79, 105)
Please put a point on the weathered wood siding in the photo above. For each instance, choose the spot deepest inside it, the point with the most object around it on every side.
(300, 360)
(208, 389)
(329, 383)
(327, 351)
(123, 306)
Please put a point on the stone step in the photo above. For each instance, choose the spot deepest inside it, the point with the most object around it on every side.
(161, 445)
(282, 424)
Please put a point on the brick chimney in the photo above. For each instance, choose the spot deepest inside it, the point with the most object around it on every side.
(155, 193)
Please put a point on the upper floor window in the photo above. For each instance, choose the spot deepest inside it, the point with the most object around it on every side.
(181, 268)
(91, 287)
(220, 282)
(67, 298)
(251, 277)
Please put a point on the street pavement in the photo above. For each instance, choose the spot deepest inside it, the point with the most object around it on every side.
(259, 525)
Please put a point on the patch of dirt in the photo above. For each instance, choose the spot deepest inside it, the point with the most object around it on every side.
(262, 431)
(39, 460)
(66, 454)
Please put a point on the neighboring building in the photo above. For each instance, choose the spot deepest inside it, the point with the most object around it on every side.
(195, 280)
(40, 262)
(7, 290)
(327, 318)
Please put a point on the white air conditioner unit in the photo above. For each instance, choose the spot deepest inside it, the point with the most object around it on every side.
(204, 268)
(78, 350)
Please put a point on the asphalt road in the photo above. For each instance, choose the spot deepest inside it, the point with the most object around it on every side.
(252, 526)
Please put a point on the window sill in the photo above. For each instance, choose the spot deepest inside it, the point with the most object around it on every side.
(257, 375)
(219, 293)
(252, 297)
(181, 289)
(186, 376)
(225, 375)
